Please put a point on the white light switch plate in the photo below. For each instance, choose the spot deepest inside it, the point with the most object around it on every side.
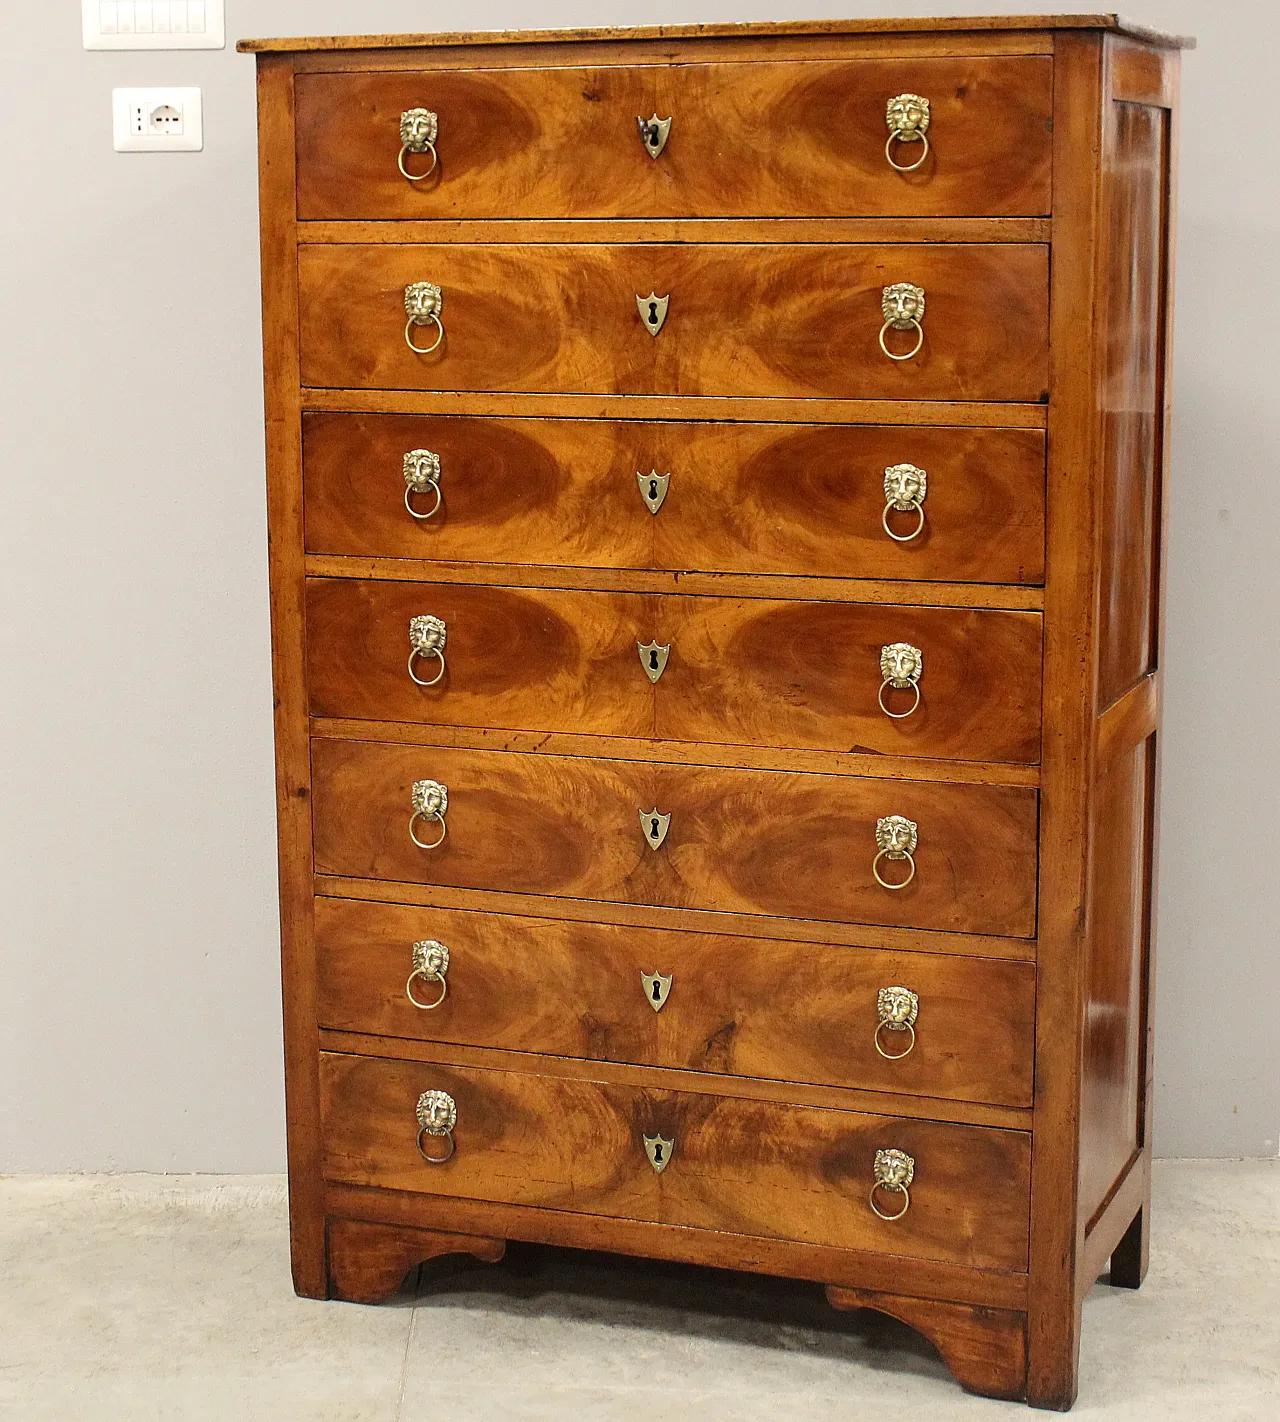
(157, 120)
(154, 24)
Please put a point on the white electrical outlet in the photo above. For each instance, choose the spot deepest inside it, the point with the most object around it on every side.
(154, 24)
(157, 120)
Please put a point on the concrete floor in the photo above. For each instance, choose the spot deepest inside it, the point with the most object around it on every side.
(148, 1298)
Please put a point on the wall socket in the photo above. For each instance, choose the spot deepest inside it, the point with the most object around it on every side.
(157, 120)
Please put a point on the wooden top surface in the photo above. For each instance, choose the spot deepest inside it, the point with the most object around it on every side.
(764, 28)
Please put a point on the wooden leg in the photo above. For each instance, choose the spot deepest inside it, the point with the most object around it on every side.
(1132, 1254)
(985, 1348)
(368, 1262)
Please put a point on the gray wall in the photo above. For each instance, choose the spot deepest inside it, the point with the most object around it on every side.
(139, 1000)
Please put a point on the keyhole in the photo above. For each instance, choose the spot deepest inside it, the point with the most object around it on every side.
(653, 488)
(653, 661)
(653, 313)
(653, 829)
(657, 992)
(657, 1155)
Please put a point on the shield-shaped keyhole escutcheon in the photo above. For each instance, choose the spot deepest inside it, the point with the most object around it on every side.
(653, 658)
(655, 827)
(653, 489)
(653, 311)
(656, 989)
(659, 1149)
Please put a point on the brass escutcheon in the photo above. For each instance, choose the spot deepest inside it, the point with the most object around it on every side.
(654, 827)
(653, 488)
(431, 964)
(656, 989)
(437, 1116)
(659, 1150)
(897, 1008)
(654, 133)
(896, 837)
(907, 117)
(653, 311)
(894, 1171)
(653, 658)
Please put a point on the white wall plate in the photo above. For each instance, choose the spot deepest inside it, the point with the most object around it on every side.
(154, 24)
(157, 120)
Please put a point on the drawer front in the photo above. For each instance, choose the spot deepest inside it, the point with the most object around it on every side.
(736, 671)
(747, 1167)
(742, 841)
(804, 499)
(741, 1006)
(742, 319)
(772, 139)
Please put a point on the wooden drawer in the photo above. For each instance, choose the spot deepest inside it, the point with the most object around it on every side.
(744, 1006)
(754, 139)
(748, 1167)
(795, 845)
(749, 498)
(744, 319)
(745, 671)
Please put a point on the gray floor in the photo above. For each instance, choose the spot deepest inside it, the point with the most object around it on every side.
(135, 1297)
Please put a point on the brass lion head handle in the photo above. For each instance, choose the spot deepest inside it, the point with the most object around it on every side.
(430, 801)
(901, 666)
(896, 839)
(896, 1009)
(907, 117)
(427, 636)
(902, 306)
(431, 964)
(437, 1116)
(894, 1171)
(905, 487)
(422, 476)
(419, 129)
(423, 302)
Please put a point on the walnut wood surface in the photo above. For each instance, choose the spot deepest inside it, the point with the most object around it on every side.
(368, 1261)
(747, 671)
(565, 143)
(743, 841)
(750, 1008)
(746, 1167)
(750, 498)
(768, 320)
(985, 1348)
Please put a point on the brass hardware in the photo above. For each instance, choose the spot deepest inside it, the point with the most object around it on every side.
(430, 801)
(653, 311)
(437, 1116)
(430, 963)
(653, 133)
(894, 1171)
(419, 129)
(897, 838)
(422, 476)
(908, 120)
(653, 488)
(653, 658)
(658, 1149)
(896, 1008)
(654, 827)
(903, 308)
(426, 639)
(656, 990)
(423, 302)
(905, 487)
(901, 665)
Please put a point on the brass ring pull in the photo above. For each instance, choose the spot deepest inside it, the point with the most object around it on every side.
(426, 639)
(902, 306)
(905, 488)
(897, 1008)
(430, 802)
(422, 476)
(907, 116)
(894, 1172)
(419, 129)
(884, 519)
(901, 665)
(437, 1116)
(430, 963)
(423, 302)
(897, 838)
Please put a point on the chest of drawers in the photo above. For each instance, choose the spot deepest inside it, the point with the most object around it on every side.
(715, 487)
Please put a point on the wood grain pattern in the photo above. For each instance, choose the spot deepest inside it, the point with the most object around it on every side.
(794, 1012)
(772, 499)
(985, 1348)
(768, 320)
(368, 1261)
(564, 142)
(741, 841)
(747, 1167)
(752, 672)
